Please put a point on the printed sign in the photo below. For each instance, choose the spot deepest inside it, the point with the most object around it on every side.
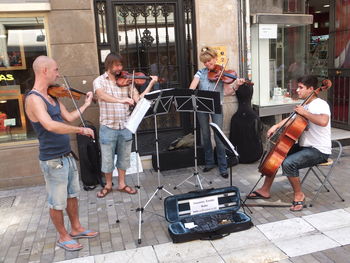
(10, 122)
(268, 31)
(204, 205)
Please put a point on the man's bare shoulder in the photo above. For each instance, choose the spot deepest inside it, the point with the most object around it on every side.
(33, 102)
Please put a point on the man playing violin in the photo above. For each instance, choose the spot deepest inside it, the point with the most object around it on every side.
(114, 104)
(314, 145)
(47, 116)
(208, 57)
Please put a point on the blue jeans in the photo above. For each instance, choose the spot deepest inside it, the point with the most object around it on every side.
(62, 181)
(203, 119)
(302, 157)
(115, 141)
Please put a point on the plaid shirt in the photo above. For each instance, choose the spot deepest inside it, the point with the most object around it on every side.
(112, 115)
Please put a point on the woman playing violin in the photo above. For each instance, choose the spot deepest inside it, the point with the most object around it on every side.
(314, 145)
(114, 104)
(208, 57)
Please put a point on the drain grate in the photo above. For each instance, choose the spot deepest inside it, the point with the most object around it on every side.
(6, 202)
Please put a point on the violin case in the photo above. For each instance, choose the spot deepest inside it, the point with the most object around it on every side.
(89, 159)
(206, 214)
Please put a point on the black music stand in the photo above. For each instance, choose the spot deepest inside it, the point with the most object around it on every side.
(230, 152)
(188, 100)
(229, 148)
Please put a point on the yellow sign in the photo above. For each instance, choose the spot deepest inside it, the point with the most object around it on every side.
(222, 54)
(6, 77)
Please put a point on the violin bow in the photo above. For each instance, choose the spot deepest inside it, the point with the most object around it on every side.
(75, 105)
(132, 83)
(222, 72)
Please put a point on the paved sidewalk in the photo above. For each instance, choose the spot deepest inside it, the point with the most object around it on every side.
(300, 239)
(27, 234)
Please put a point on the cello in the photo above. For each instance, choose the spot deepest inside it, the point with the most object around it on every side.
(289, 133)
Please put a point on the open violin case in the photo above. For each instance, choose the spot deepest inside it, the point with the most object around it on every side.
(206, 214)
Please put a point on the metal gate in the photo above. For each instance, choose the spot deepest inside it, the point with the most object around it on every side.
(154, 37)
(339, 62)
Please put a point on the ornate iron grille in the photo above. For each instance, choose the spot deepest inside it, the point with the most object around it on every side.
(154, 37)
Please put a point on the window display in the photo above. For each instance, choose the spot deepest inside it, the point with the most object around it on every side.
(22, 39)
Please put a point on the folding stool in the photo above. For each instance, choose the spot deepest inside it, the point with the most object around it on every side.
(323, 171)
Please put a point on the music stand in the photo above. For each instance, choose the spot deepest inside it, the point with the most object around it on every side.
(230, 152)
(188, 100)
(229, 148)
(152, 104)
(161, 103)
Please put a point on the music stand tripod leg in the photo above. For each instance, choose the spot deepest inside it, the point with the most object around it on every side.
(159, 187)
(138, 186)
(198, 177)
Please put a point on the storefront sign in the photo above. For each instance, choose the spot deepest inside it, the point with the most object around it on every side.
(268, 31)
(6, 77)
(222, 54)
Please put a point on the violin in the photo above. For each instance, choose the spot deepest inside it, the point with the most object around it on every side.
(58, 91)
(292, 130)
(226, 76)
(124, 78)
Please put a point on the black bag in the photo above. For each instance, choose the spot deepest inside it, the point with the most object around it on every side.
(177, 159)
(90, 160)
(246, 128)
(206, 225)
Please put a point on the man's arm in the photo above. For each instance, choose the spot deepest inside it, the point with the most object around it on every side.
(137, 96)
(318, 119)
(102, 95)
(275, 127)
(37, 112)
(71, 116)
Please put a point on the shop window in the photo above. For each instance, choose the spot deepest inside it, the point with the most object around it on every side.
(280, 58)
(22, 39)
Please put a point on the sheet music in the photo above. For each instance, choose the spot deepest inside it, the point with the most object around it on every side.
(137, 115)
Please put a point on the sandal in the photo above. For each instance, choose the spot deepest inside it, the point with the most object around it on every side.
(128, 189)
(296, 203)
(63, 244)
(257, 195)
(104, 191)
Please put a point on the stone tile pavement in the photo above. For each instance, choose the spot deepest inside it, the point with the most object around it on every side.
(313, 235)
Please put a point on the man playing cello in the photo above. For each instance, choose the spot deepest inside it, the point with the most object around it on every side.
(314, 145)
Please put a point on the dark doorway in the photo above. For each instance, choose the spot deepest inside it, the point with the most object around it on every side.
(156, 38)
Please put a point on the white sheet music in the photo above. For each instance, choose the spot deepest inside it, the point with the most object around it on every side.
(137, 115)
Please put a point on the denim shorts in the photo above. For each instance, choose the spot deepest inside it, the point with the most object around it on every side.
(62, 181)
(115, 142)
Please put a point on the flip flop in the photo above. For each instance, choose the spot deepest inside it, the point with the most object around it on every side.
(295, 203)
(64, 244)
(124, 190)
(84, 234)
(104, 191)
(257, 196)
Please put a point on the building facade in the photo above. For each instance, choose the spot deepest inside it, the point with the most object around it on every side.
(267, 41)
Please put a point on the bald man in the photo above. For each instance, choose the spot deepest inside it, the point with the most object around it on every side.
(47, 116)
